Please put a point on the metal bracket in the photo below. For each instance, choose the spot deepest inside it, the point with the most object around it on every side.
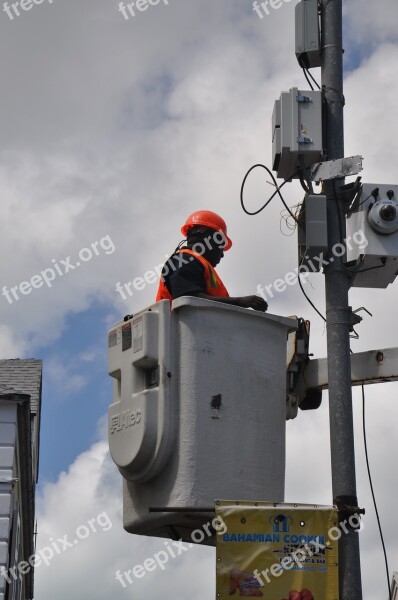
(354, 312)
(292, 405)
(371, 367)
(348, 507)
(304, 140)
(355, 320)
(336, 169)
(362, 308)
(297, 359)
(348, 317)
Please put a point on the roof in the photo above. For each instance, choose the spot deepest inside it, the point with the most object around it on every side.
(22, 376)
(7, 390)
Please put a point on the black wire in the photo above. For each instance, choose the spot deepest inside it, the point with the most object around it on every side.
(308, 300)
(179, 246)
(351, 210)
(288, 210)
(277, 191)
(364, 270)
(373, 494)
(305, 180)
(304, 186)
(308, 81)
(338, 211)
(313, 79)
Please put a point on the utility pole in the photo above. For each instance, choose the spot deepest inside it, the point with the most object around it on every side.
(338, 313)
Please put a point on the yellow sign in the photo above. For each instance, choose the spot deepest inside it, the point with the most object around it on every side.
(277, 551)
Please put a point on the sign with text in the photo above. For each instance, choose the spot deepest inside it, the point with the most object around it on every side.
(277, 551)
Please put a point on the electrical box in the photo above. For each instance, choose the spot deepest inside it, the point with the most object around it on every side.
(297, 137)
(312, 231)
(372, 236)
(308, 36)
(198, 411)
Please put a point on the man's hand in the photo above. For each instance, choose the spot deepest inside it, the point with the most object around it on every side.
(255, 302)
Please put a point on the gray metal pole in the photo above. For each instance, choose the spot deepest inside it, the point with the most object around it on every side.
(338, 312)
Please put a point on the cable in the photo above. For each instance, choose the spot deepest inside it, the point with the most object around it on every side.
(305, 180)
(364, 270)
(307, 74)
(352, 207)
(372, 490)
(313, 79)
(338, 211)
(277, 191)
(304, 185)
(308, 300)
(357, 268)
(307, 78)
(179, 246)
(290, 226)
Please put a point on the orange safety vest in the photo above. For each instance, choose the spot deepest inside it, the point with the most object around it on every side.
(214, 285)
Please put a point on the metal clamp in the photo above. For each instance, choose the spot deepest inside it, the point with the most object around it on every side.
(300, 98)
(356, 336)
(351, 320)
(304, 140)
(347, 507)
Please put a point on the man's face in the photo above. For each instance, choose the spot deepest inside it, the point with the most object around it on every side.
(215, 255)
(217, 244)
(208, 243)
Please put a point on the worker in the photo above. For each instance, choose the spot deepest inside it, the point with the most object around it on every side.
(190, 270)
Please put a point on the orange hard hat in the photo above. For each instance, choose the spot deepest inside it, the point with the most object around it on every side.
(209, 219)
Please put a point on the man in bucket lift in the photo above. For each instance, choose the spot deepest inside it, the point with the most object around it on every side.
(190, 270)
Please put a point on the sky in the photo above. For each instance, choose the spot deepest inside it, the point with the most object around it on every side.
(113, 131)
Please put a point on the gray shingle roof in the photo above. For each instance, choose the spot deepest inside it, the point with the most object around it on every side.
(24, 376)
(6, 390)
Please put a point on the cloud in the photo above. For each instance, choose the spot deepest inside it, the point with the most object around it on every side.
(63, 375)
(373, 25)
(10, 347)
(91, 492)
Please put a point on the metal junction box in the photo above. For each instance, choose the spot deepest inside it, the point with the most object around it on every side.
(297, 140)
(312, 231)
(198, 411)
(308, 38)
(372, 231)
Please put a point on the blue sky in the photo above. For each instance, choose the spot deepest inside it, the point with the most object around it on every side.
(70, 417)
(121, 128)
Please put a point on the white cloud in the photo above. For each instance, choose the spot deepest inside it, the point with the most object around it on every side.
(373, 25)
(63, 375)
(10, 347)
(91, 491)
